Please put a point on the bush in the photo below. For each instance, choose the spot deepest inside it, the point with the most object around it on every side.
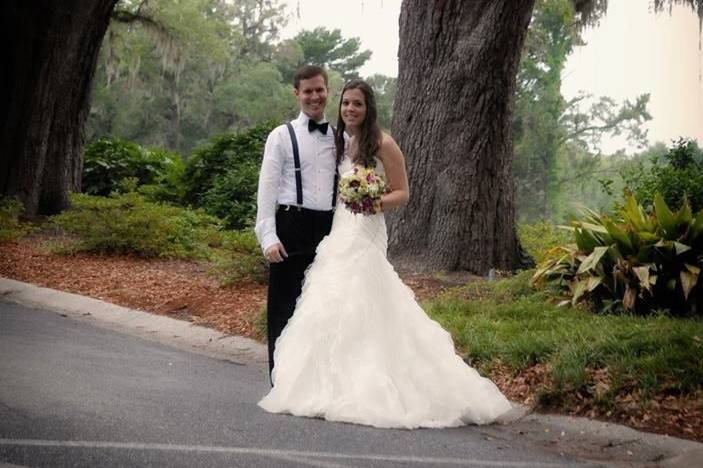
(640, 262)
(232, 197)
(678, 175)
(11, 228)
(109, 161)
(539, 238)
(222, 177)
(239, 258)
(129, 224)
(168, 186)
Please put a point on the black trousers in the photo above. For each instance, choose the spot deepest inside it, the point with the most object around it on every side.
(299, 231)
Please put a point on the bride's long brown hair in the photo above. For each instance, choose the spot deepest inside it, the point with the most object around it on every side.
(370, 135)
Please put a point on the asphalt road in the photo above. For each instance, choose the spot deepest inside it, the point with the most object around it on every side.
(72, 394)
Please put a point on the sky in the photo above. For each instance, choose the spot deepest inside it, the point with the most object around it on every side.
(632, 51)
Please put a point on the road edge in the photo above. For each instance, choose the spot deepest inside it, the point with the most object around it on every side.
(165, 330)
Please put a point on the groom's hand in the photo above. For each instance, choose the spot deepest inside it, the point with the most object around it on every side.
(276, 253)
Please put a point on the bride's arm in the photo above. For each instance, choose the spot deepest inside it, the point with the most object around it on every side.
(396, 176)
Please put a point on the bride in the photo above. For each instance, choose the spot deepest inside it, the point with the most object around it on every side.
(359, 348)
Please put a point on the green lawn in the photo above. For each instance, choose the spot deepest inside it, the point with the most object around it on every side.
(508, 321)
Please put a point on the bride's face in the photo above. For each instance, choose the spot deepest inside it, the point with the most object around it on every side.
(353, 108)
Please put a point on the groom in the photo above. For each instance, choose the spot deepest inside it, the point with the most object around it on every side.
(295, 198)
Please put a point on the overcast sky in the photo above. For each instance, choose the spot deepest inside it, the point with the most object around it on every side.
(631, 52)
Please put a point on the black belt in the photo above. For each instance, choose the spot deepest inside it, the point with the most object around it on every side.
(300, 209)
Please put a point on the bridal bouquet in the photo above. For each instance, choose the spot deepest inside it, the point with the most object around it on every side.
(361, 190)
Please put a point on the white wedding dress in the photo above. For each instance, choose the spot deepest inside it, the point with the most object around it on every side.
(359, 348)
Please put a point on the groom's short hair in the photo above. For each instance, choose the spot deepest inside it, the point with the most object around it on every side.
(307, 72)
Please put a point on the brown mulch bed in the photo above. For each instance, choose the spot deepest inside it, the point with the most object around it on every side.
(175, 288)
(675, 415)
(185, 290)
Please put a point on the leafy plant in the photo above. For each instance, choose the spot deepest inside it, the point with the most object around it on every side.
(129, 224)
(239, 258)
(640, 262)
(169, 185)
(11, 227)
(222, 177)
(109, 161)
(540, 238)
(677, 175)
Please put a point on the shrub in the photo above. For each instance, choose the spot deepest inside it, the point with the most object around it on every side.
(540, 238)
(239, 258)
(222, 177)
(233, 196)
(676, 175)
(11, 228)
(640, 262)
(109, 161)
(169, 185)
(128, 224)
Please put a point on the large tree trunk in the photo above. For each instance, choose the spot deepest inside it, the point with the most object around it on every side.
(452, 117)
(44, 96)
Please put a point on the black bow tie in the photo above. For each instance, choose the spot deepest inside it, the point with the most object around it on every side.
(322, 127)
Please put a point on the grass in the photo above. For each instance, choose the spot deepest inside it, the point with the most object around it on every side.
(507, 322)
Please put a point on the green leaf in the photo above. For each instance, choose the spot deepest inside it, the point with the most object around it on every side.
(665, 217)
(618, 234)
(642, 273)
(579, 288)
(647, 237)
(680, 248)
(594, 227)
(585, 241)
(684, 215)
(636, 216)
(688, 281)
(594, 282)
(592, 260)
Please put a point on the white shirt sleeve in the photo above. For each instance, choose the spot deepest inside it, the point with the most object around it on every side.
(267, 194)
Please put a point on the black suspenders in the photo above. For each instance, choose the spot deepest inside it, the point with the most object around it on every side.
(298, 177)
(296, 161)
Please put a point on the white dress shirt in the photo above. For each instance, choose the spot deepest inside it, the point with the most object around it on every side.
(277, 176)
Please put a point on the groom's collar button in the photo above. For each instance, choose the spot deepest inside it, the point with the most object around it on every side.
(322, 127)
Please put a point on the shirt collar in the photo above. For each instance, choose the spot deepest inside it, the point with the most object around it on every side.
(303, 118)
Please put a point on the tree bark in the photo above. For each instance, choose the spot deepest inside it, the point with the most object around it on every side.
(44, 96)
(458, 62)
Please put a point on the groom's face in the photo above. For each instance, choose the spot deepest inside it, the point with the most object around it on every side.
(312, 96)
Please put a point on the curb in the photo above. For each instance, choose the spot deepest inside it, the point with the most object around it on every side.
(165, 330)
